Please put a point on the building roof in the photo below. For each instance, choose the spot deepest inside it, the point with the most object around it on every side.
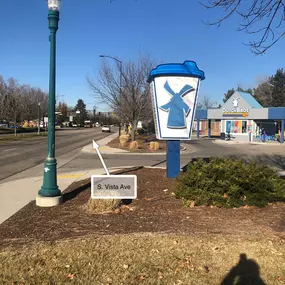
(249, 99)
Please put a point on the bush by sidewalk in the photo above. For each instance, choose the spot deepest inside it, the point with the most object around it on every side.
(226, 182)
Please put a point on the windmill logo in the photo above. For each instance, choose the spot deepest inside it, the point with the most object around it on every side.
(235, 101)
(178, 110)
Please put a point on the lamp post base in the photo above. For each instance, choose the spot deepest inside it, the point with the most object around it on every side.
(42, 201)
(50, 188)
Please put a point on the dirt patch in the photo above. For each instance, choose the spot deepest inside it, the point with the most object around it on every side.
(155, 210)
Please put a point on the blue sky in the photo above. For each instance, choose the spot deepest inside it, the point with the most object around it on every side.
(170, 30)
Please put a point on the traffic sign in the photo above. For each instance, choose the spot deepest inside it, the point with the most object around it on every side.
(113, 186)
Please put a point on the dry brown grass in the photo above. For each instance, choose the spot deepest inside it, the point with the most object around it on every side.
(137, 259)
(154, 146)
(100, 206)
(134, 146)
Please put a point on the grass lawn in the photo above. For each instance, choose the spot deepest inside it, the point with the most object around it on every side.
(146, 259)
(154, 240)
(21, 136)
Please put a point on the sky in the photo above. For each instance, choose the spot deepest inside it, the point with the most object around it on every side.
(171, 31)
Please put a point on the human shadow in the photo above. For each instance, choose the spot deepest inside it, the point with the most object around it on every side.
(277, 160)
(185, 167)
(246, 272)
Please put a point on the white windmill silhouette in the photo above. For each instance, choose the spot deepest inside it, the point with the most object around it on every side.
(235, 101)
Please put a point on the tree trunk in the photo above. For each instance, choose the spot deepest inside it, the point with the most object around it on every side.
(15, 124)
(134, 127)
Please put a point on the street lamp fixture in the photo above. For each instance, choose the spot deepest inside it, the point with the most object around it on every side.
(49, 194)
(54, 5)
(120, 95)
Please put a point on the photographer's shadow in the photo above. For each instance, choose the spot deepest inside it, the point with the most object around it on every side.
(246, 272)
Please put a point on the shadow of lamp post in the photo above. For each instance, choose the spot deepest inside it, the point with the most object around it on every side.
(49, 195)
(120, 86)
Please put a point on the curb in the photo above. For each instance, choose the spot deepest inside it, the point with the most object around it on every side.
(104, 149)
(114, 151)
(246, 143)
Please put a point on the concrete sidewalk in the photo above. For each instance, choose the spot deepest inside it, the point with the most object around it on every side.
(17, 193)
(232, 141)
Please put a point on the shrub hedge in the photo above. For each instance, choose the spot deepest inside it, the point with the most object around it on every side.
(227, 182)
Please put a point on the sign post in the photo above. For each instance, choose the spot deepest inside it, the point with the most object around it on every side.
(112, 186)
(175, 89)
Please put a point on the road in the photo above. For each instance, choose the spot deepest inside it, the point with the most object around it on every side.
(196, 148)
(17, 156)
(30, 154)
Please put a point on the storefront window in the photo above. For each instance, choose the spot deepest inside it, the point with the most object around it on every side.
(244, 130)
(237, 127)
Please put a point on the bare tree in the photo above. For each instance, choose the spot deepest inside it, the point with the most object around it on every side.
(125, 90)
(19, 102)
(262, 17)
(13, 103)
(3, 91)
(206, 102)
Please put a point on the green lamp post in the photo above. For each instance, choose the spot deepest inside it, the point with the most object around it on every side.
(49, 194)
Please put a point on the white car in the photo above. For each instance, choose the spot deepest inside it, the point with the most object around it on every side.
(106, 128)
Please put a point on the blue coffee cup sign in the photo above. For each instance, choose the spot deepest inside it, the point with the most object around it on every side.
(175, 89)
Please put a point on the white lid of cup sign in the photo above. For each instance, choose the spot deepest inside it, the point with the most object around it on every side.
(54, 5)
(174, 94)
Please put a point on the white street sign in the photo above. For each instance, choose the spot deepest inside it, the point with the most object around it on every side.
(113, 186)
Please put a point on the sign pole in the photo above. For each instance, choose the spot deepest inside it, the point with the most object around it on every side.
(175, 89)
(173, 159)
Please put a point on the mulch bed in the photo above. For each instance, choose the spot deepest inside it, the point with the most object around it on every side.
(155, 210)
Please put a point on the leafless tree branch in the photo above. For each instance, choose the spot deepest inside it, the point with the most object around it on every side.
(262, 17)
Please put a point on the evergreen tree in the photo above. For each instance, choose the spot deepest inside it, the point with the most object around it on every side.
(227, 95)
(278, 88)
(263, 94)
(230, 92)
(249, 90)
(82, 116)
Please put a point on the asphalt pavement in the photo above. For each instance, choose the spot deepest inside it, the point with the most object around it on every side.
(17, 156)
(22, 161)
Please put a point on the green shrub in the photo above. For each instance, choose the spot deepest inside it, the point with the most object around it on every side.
(227, 182)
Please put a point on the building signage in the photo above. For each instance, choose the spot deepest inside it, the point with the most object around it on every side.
(236, 111)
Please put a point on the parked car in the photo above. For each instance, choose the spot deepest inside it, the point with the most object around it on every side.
(4, 125)
(106, 128)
